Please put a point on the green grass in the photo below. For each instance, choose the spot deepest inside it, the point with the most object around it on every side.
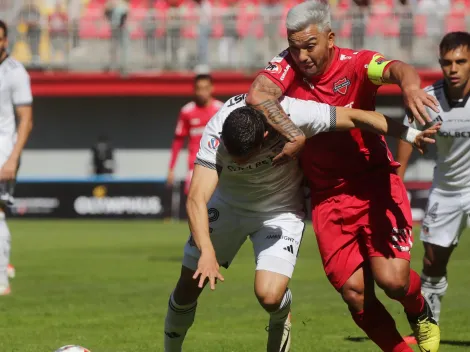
(105, 285)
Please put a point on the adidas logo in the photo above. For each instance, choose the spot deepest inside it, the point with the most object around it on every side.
(289, 248)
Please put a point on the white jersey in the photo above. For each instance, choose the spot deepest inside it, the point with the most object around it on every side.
(258, 186)
(452, 169)
(15, 90)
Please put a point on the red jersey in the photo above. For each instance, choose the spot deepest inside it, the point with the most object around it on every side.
(191, 122)
(330, 159)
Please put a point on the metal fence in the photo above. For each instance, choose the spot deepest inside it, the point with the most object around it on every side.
(230, 39)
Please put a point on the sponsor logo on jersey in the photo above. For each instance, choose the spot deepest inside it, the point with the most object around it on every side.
(454, 134)
(344, 57)
(213, 143)
(280, 57)
(341, 86)
(265, 162)
(285, 72)
(273, 67)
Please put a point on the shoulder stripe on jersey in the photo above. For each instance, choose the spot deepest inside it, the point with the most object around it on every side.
(434, 87)
(204, 163)
(332, 118)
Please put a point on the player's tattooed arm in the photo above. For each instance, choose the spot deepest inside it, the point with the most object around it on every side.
(263, 96)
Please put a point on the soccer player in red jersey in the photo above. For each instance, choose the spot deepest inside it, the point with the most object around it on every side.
(360, 210)
(192, 119)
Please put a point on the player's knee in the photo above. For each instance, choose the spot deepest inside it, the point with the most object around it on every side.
(394, 286)
(353, 297)
(270, 300)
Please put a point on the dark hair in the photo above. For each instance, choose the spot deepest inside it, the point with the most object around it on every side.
(3, 26)
(243, 131)
(201, 77)
(454, 40)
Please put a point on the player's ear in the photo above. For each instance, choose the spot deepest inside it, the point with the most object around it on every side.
(331, 39)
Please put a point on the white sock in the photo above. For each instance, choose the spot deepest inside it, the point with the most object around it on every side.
(434, 289)
(179, 319)
(276, 323)
(5, 245)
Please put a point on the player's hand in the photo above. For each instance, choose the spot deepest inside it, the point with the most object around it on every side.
(170, 179)
(426, 137)
(208, 269)
(416, 101)
(9, 169)
(290, 151)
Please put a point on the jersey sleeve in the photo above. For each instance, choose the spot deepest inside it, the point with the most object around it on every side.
(182, 126)
(21, 87)
(310, 116)
(279, 70)
(208, 155)
(371, 65)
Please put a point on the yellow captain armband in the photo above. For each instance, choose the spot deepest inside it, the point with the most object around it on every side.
(376, 67)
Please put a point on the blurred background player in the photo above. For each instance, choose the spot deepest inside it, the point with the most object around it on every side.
(448, 206)
(103, 157)
(192, 119)
(15, 100)
(361, 218)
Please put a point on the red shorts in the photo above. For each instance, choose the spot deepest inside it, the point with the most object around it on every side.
(370, 218)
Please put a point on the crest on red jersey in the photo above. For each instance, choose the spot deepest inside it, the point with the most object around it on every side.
(341, 86)
(273, 67)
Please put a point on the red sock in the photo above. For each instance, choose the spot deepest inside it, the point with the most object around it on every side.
(413, 302)
(379, 325)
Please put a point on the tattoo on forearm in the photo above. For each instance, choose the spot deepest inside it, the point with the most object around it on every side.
(278, 119)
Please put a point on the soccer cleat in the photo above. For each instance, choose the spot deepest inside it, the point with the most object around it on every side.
(5, 290)
(273, 337)
(11, 271)
(426, 330)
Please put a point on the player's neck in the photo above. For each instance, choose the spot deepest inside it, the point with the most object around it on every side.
(3, 56)
(458, 93)
(204, 104)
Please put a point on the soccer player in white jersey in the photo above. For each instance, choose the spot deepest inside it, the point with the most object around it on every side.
(236, 193)
(15, 103)
(448, 206)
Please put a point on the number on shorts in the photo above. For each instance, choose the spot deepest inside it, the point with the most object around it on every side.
(213, 216)
(431, 213)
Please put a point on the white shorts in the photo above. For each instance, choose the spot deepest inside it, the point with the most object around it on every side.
(276, 239)
(6, 188)
(446, 216)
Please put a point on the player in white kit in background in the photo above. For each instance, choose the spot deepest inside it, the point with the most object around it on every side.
(236, 193)
(15, 103)
(448, 206)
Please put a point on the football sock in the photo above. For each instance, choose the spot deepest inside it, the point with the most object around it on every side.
(276, 323)
(380, 327)
(413, 301)
(434, 289)
(179, 319)
(5, 242)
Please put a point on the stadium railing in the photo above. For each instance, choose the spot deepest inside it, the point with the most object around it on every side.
(240, 38)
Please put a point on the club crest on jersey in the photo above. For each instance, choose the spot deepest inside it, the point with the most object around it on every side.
(341, 86)
(213, 143)
(273, 67)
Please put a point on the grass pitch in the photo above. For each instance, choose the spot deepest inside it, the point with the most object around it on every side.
(105, 285)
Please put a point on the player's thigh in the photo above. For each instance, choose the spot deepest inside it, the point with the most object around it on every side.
(226, 236)
(445, 218)
(337, 221)
(276, 243)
